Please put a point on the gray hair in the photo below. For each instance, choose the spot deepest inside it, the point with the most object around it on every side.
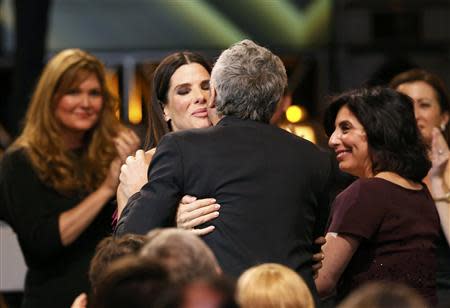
(184, 255)
(249, 81)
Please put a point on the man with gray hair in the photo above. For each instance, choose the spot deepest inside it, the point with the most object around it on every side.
(184, 255)
(271, 185)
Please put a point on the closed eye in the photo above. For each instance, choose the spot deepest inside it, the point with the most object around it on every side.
(183, 90)
(205, 85)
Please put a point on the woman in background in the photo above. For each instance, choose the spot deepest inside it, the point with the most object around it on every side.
(384, 226)
(432, 111)
(58, 177)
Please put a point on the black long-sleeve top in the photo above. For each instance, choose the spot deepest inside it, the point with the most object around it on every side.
(56, 274)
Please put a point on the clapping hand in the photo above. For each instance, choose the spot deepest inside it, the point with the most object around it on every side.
(439, 153)
(133, 175)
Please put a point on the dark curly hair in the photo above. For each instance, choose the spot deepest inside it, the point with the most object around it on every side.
(395, 142)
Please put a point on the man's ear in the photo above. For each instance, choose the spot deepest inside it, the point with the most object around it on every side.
(212, 97)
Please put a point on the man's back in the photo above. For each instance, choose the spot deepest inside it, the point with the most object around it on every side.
(271, 186)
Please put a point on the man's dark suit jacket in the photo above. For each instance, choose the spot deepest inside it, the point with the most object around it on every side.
(271, 185)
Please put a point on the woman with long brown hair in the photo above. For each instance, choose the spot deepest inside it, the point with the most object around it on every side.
(58, 177)
(180, 91)
(432, 112)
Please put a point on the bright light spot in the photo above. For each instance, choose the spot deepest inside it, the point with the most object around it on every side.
(135, 104)
(112, 82)
(294, 114)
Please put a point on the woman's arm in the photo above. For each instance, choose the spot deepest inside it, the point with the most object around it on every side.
(74, 221)
(439, 191)
(338, 252)
(133, 175)
(190, 213)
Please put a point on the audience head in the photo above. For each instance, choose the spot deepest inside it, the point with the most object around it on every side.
(131, 282)
(247, 82)
(374, 130)
(71, 108)
(179, 95)
(383, 295)
(272, 285)
(431, 100)
(183, 253)
(212, 292)
(111, 249)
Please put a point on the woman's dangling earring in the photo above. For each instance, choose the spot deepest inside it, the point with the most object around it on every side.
(443, 126)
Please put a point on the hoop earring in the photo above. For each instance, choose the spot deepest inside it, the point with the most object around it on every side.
(443, 126)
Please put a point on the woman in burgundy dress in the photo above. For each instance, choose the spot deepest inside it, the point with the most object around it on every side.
(385, 225)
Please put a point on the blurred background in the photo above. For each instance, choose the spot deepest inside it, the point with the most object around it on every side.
(327, 46)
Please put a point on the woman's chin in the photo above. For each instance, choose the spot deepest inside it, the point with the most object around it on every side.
(202, 123)
(347, 169)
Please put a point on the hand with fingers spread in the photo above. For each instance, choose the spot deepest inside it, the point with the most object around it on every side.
(192, 212)
(126, 142)
(439, 153)
(318, 257)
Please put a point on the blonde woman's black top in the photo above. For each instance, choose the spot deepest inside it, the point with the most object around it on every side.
(56, 274)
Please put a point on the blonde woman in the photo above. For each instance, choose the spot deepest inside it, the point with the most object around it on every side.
(58, 177)
(272, 285)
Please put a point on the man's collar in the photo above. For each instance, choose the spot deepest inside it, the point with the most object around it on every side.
(230, 120)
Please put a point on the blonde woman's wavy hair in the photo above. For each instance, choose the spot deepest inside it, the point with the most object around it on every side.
(42, 136)
(272, 285)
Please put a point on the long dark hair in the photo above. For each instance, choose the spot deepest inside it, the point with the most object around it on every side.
(42, 135)
(395, 142)
(158, 127)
